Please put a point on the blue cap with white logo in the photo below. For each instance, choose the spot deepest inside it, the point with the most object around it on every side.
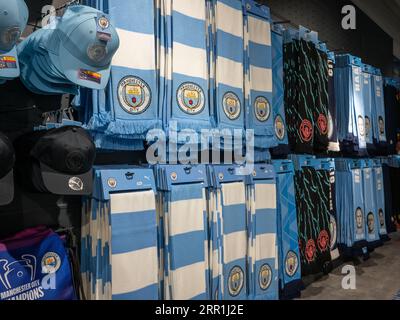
(13, 19)
(83, 46)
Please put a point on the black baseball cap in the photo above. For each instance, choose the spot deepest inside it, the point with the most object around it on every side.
(60, 160)
(7, 160)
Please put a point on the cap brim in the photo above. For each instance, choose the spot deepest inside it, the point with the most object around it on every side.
(72, 66)
(12, 71)
(7, 189)
(64, 184)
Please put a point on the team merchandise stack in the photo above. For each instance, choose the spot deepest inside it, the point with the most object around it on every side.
(321, 186)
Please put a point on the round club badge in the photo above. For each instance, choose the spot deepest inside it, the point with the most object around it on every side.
(231, 105)
(112, 183)
(75, 184)
(104, 23)
(322, 124)
(235, 281)
(191, 98)
(262, 109)
(333, 231)
(306, 130)
(134, 95)
(280, 131)
(51, 263)
(265, 277)
(323, 240)
(311, 249)
(291, 264)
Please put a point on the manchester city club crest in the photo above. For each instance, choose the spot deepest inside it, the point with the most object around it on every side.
(191, 98)
(280, 131)
(265, 277)
(104, 23)
(235, 281)
(134, 95)
(291, 263)
(262, 109)
(231, 105)
(51, 263)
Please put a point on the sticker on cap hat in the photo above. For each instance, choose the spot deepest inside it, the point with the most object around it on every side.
(291, 263)
(134, 95)
(8, 62)
(232, 106)
(262, 109)
(280, 128)
(235, 281)
(322, 124)
(191, 98)
(75, 184)
(306, 130)
(88, 75)
(265, 277)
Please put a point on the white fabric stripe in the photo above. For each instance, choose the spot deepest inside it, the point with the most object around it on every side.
(193, 8)
(261, 79)
(233, 194)
(186, 216)
(229, 72)
(266, 196)
(188, 282)
(265, 246)
(229, 20)
(142, 58)
(235, 246)
(189, 61)
(132, 202)
(259, 31)
(134, 270)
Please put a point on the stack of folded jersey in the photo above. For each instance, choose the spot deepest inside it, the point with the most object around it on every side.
(12, 24)
(75, 50)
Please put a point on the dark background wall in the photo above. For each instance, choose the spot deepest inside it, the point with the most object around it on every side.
(368, 41)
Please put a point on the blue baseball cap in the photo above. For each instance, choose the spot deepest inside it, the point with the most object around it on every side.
(13, 19)
(83, 45)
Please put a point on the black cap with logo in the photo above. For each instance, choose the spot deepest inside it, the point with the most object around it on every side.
(7, 160)
(61, 160)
